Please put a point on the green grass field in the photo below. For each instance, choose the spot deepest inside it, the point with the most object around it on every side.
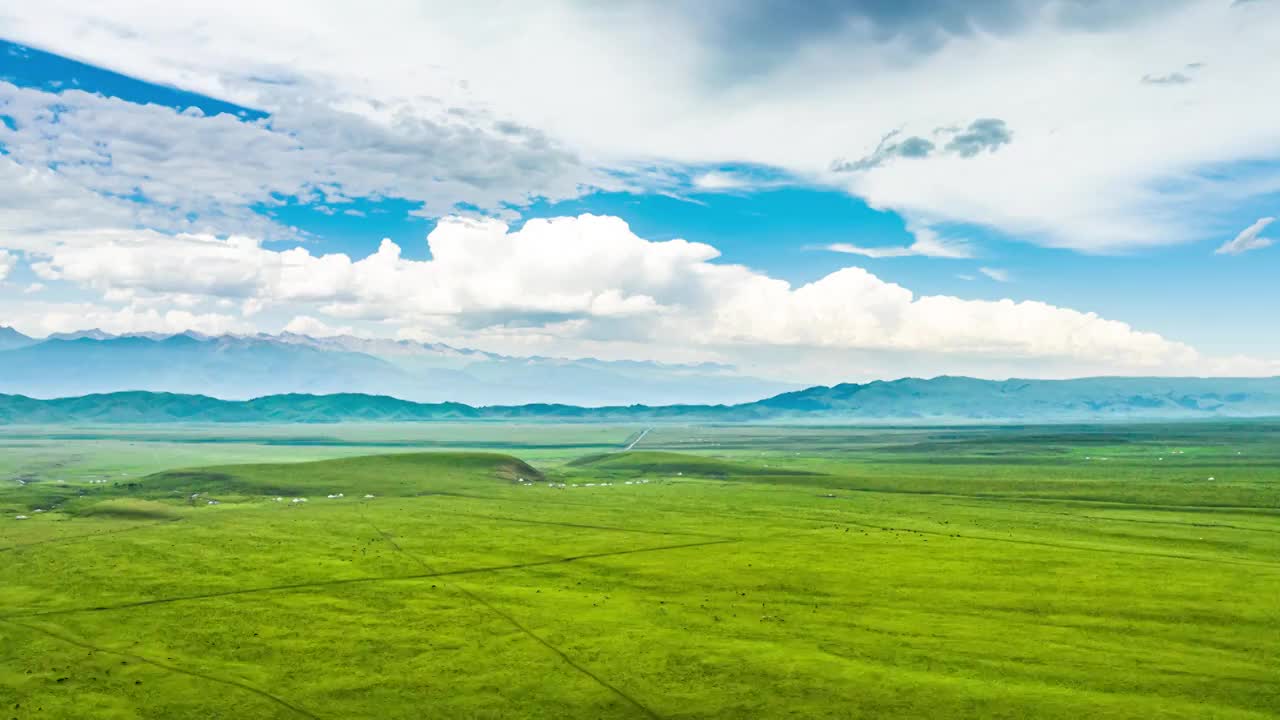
(511, 571)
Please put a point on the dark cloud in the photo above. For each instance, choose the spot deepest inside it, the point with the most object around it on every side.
(781, 25)
(915, 147)
(1097, 15)
(751, 36)
(911, 147)
(924, 22)
(982, 134)
(1176, 78)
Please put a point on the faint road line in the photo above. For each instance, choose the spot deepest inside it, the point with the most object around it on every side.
(85, 536)
(637, 440)
(164, 666)
(519, 626)
(361, 581)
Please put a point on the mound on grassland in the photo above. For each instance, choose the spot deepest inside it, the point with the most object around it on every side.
(391, 475)
(129, 509)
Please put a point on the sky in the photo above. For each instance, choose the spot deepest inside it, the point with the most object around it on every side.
(839, 190)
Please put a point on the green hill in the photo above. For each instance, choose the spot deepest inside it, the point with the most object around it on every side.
(911, 400)
(382, 475)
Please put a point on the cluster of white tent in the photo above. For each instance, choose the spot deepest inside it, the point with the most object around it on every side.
(530, 483)
(1158, 459)
(331, 496)
(603, 484)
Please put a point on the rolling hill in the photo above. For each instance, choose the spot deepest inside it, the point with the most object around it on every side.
(910, 400)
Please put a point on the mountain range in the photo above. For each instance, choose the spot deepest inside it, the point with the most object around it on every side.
(94, 376)
(247, 366)
(936, 400)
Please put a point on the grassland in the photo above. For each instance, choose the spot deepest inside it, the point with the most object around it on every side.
(709, 572)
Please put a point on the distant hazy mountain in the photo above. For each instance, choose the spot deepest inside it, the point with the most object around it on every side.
(940, 400)
(11, 339)
(1081, 399)
(242, 367)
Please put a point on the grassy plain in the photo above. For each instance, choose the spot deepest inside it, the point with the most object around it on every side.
(762, 572)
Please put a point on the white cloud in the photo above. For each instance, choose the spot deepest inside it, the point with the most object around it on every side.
(586, 283)
(7, 262)
(446, 104)
(728, 181)
(1248, 239)
(997, 274)
(307, 325)
(670, 86)
(209, 174)
(719, 181)
(927, 244)
(43, 318)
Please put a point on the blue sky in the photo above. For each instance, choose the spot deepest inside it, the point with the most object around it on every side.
(991, 197)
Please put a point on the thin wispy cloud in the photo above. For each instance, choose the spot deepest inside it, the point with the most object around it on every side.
(955, 250)
(1249, 239)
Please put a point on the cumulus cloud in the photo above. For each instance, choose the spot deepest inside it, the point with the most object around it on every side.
(7, 262)
(1248, 239)
(587, 280)
(307, 325)
(43, 318)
